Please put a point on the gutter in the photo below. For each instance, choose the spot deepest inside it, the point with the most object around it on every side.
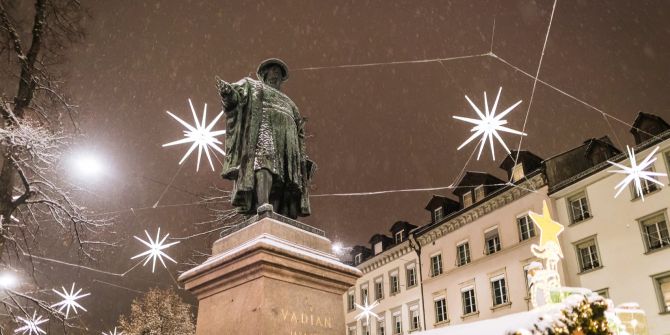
(417, 249)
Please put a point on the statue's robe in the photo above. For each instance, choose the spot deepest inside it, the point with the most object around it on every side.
(254, 112)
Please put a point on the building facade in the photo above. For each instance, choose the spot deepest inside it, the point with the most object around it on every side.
(618, 247)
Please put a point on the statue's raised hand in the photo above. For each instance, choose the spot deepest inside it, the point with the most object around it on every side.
(225, 90)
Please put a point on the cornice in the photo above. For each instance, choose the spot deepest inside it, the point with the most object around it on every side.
(385, 257)
(502, 199)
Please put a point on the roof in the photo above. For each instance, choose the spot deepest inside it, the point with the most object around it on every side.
(439, 199)
(475, 178)
(524, 156)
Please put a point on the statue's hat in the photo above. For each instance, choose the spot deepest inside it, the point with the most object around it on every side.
(273, 61)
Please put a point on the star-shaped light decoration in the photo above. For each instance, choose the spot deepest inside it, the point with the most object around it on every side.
(549, 229)
(112, 332)
(366, 311)
(488, 125)
(636, 172)
(201, 135)
(31, 325)
(156, 248)
(69, 301)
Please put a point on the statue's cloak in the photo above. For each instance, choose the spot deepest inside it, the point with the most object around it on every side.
(243, 121)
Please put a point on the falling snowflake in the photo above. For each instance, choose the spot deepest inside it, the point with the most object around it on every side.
(69, 301)
(31, 325)
(366, 311)
(488, 125)
(202, 136)
(636, 172)
(112, 332)
(155, 251)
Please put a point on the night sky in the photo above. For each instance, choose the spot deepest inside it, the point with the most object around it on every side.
(371, 128)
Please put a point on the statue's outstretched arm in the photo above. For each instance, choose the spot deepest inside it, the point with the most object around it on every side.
(229, 96)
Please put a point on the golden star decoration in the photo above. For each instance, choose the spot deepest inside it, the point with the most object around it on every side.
(549, 229)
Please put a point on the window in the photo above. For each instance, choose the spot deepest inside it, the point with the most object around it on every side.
(364, 293)
(352, 330)
(358, 258)
(479, 193)
(587, 252)
(350, 301)
(498, 290)
(438, 213)
(526, 227)
(395, 283)
(492, 241)
(414, 320)
(655, 232)
(381, 327)
(440, 309)
(605, 293)
(379, 288)
(469, 301)
(410, 272)
(646, 185)
(579, 208)
(467, 199)
(527, 280)
(397, 323)
(364, 328)
(436, 265)
(662, 283)
(379, 247)
(399, 236)
(517, 172)
(463, 252)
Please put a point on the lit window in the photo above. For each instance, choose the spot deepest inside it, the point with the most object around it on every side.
(410, 272)
(492, 241)
(440, 309)
(378, 248)
(517, 172)
(479, 193)
(438, 214)
(467, 199)
(350, 301)
(498, 290)
(436, 265)
(399, 236)
(469, 300)
(526, 227)
(655, 232)
(662, 283)
(579, 208)
(379, 288)
(414, 318)
(587, 251)
(397, 323)
(463, 252)
(358, 258)
(527, 279)
(395, 283)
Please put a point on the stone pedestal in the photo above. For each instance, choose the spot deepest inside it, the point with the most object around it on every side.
(272, 275)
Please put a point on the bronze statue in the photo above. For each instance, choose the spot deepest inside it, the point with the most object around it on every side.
(265, 144)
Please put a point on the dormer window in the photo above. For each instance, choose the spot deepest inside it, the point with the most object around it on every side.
(479, 193)
(467, 200)
(517, 172)
(358, 258)
(378, 247)
(399, 236)
(438, 214)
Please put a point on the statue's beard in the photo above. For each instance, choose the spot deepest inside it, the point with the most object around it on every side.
(274, 82)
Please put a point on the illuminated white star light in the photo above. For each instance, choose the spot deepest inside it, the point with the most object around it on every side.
(155, 251)
(366, 311)
(112, 332)
(202, 136)
(488, 125)
(636, 172)
(69, 301)
(31, 325)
